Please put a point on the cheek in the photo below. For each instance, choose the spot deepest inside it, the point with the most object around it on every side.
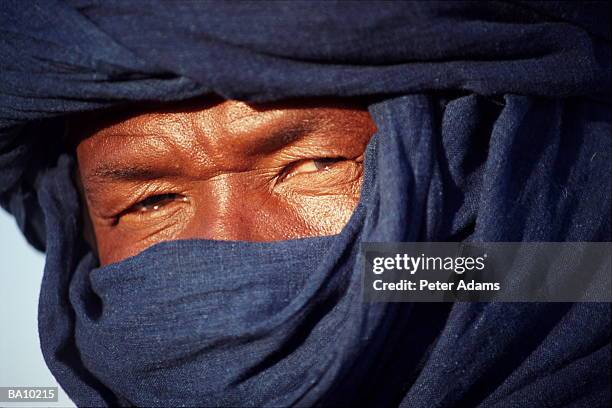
(326, 215)
(324, 212)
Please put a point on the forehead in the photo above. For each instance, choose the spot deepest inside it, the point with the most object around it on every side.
(212, 119)
(211, 132)
(205, 116)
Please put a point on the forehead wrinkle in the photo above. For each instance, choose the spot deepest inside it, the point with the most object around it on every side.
(174, 136)
(252, 121)
(240, 120)
(117, 148)
(131, 158)
(199, 147)
(252, 132)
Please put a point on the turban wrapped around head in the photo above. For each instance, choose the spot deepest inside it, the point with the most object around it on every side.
(494, 124)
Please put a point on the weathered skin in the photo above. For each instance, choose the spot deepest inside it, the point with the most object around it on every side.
(220, 170)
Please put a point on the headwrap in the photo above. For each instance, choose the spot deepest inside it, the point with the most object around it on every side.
(494, 124)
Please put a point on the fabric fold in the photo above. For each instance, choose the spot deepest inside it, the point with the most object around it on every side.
(493, 124)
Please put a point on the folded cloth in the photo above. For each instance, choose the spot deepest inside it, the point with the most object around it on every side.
(494, 124)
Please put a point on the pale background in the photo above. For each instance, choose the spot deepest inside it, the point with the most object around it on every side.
(21, 361)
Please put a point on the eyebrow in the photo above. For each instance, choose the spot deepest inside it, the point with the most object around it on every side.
(281, 137)
(112, 172)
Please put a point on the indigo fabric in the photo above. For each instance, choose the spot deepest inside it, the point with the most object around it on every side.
(494, 124)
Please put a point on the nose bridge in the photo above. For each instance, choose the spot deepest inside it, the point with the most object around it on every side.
(222, 210)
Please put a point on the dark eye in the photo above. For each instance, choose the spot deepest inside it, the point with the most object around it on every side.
(323, 164)
(154, 203)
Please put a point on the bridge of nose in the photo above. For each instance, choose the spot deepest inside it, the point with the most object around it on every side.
(235, 207)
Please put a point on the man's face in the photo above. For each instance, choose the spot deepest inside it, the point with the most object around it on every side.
(225, 171)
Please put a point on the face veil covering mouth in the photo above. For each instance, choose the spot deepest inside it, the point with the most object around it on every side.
(494, 124)
(207, 323)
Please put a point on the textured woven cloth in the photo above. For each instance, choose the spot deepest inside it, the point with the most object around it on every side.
(494, 124)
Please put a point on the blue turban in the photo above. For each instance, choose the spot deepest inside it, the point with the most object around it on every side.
(494, 122)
